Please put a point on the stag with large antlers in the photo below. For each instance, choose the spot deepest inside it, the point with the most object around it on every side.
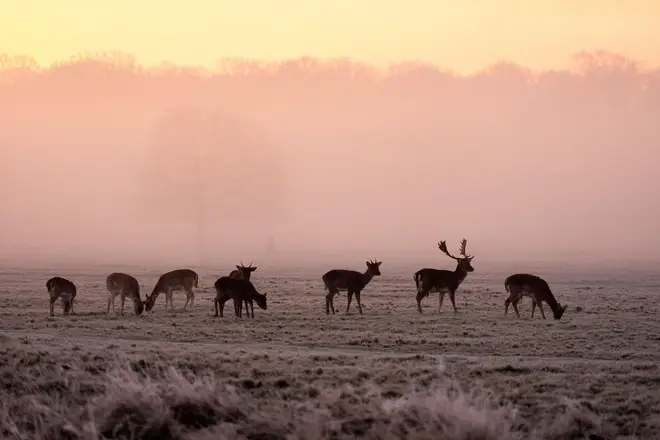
(443, 281)
(351, 281)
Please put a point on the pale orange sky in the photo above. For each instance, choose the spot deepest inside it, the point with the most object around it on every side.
(464, 36)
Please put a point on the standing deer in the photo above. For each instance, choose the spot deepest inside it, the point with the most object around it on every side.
(351, 281)
(179, 279)
(126, 286)
(443, 281)
(523, 284)
(240, 273)
(61, 288)
(241, 291)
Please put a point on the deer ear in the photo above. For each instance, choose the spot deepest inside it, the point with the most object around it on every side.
(254, 268)
(379, 263)
(265, 293)
(367, 263)
(238, 267)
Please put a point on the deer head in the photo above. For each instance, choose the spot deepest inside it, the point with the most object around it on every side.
(66, 305)
(138, 307)
(558, 314)
(149, 302)
(464, 261)
(373, 267)
(246, 269)
(262, 301)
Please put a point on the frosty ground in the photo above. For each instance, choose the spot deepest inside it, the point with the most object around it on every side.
(294, 372)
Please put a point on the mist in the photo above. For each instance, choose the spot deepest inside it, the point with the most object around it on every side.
(106, 160)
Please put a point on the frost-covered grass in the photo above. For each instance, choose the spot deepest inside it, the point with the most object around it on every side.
(58, 393)
(294, 372)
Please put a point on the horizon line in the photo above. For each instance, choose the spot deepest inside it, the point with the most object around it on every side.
(381, 68)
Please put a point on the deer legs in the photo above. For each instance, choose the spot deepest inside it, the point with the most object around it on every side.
(452, 298)
(534, 304)
(190, 299)
(168, 299)
(514, 302)
(52, 304)
(357, 298)
(329, 303)
(515, 307)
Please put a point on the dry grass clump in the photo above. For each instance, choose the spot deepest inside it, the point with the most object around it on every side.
(170, 403)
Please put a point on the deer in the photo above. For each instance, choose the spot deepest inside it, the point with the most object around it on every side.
(524, 284)
(240, 273)
(179, 279)
(243, 272)
(59, 287)
(241, 291)
(351, 281)
(126, 286)
(443, 281)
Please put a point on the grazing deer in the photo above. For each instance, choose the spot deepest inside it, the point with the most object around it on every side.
(351, 281)
(241, 291)
(61, 288)
(443, 281)
(179, 279)
(126, 286)
(523, 284)
(242, 272)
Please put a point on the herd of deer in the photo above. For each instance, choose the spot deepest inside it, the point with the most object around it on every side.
(238, 287)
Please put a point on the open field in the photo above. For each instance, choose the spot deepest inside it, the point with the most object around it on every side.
(294, 372)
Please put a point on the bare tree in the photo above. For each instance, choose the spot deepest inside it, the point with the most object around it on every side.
(206, 164)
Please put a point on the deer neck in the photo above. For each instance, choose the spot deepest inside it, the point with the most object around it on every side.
(552, 302)
(366, 277)
(460, 274)
(156, 291)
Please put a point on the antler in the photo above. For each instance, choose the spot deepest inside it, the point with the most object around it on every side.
(443, 247)
(463, 245)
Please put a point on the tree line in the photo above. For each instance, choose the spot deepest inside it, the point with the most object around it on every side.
(306, 139)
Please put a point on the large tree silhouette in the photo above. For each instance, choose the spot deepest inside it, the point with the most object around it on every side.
(205, 164)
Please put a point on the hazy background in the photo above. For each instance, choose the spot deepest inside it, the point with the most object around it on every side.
(104, 158)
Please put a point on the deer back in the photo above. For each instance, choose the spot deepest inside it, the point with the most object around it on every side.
(343, 279)
(528, 283)
(124, 283)
(61, 285)
(439, 279)
(177, 279)
(238, 288)
(236, 274)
